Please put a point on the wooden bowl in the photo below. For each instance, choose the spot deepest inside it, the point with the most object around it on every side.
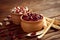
(32, 26)
(16, 18)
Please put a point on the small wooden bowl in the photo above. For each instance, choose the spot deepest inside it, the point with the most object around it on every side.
(16, 18)
(31, 26)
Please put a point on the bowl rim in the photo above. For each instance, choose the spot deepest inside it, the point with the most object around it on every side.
(31, 21)
(16, 14)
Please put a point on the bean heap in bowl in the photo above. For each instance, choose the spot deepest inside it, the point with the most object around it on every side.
(32, 17)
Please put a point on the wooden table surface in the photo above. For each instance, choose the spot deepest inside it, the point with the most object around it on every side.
(49, 8)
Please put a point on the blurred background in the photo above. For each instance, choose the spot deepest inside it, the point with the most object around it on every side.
(48, 8)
